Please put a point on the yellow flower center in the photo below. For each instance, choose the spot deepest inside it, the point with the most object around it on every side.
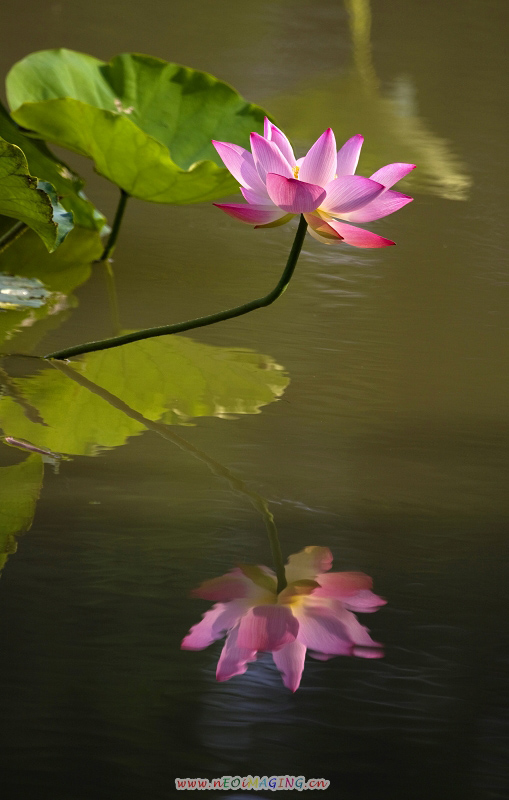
(296, 592)
(296, 172)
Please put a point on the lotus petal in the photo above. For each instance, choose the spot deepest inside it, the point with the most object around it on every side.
(253, 215)
(240, 163)
(290, 662)
(342, 584)
(267, 627)
(349, 193)
(358, 237)
(294, 196)
(321, 631)
(278, 137)
(256, 198)
(321, 231)
(277, 222)
(323, 656)
(365, 602)
(348, 156)
(268, 158)
(233, 659)
(319, 164)
(392, 173)
(215, 622)
(358, 633)
(308, 563)
(386, 203)
(231, 586)
(368, 652)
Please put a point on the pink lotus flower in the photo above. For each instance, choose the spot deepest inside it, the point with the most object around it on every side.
(314, 612)
(322, 186)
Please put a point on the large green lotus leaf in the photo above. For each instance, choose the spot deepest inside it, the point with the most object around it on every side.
(170, 379)
(20, 486)
(23, 198)
(146, 123)
(46, 167)
(59, 273)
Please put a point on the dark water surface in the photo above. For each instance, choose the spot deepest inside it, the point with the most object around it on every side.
(368, 406)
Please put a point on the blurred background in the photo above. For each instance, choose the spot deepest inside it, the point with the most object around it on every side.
(368, 406)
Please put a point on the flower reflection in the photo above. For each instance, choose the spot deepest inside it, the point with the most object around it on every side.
(314, 612)
(322, 186)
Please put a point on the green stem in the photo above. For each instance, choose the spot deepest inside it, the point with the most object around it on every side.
(215, 467)
(110, 244)
(12, 234)
(179, 327)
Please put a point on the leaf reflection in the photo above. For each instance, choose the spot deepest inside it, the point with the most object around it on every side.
(171, 380)
(20, 486)
(390, 122)
(163, 429)
(26, 266)
(63, 410)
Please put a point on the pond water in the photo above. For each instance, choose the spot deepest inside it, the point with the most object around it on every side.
(368, 407)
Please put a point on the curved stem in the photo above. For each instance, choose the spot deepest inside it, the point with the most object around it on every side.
(110, 244)
(12, 234)
(215, 467)
(179, 327)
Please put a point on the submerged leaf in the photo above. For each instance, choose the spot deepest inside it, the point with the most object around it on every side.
(146, 123)
(17, 292)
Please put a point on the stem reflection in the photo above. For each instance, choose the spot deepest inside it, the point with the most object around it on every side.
(110, 244)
